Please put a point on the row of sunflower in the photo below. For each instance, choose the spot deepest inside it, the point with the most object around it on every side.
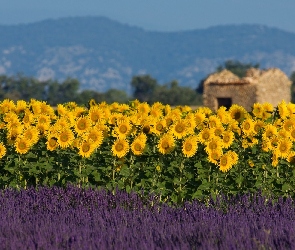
(190, 152)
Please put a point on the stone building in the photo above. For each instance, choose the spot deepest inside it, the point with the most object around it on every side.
(225, 88)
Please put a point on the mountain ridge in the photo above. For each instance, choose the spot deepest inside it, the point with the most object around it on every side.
(103, 54)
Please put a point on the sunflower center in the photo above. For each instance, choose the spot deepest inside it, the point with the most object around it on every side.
(237, 115)
(293, 133)
(123, 129)
(146, 129)
(169, 121)
(206, 136)
(159, 127)
(81, 125)
(247, 126)
(165, 145)
(94, 117)
(85, 147)
(119, 146)
(213, 146)
(29, 135)
(64, 137)
(42, 120)
(269, 134)
(137, 147)
(179, 128)
(22, 145)
(223, 161)
(283, 148)
(188, 146)
(26, 119)
(93, 137)
(52, 142)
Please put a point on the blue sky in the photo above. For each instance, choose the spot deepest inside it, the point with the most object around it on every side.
(159, 15)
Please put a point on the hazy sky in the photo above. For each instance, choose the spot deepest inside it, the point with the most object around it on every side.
(160, 15)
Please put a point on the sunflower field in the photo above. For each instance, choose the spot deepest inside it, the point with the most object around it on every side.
(176, 153)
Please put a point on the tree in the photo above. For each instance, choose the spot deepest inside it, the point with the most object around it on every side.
(61, 93)
(237, 67)
(143, 87)
(173, 94)
(115, 95)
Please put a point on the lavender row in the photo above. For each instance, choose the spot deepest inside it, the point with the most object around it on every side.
(76, 218)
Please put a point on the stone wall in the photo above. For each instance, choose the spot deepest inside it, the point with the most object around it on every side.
(273, 87)
(241, 94)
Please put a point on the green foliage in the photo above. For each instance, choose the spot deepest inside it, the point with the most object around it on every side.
(147, 89)
(237, 67)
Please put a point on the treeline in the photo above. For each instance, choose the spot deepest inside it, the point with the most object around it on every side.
(145, 88)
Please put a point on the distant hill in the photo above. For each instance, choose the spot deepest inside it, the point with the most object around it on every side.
(102, 53)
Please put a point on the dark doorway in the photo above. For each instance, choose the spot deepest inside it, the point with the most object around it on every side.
(226, 102)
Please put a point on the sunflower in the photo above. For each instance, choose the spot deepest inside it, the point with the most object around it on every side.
(120, 148)
(223, 115)
(86, 148)
(268, 109)
(21, 106)
(214, 156)
(269, 131)
(283, 110)
(166, 144)
(51, 142)
(179, 129)
(233, 125)
(258, 125)
(96, 114)
(22, 146)
(65, 138)
(258, 110)
(79, 111)
(143, 108)
(159, 127)
(292, 134)
(218, 131)
(249, 141)
(291, 157)
(7, 106)
(123, 129)
(291, 108)
(156, 112)
(190, 123)
(28, 118)
(190, 146)
(225, 162)
(31, 134)
(82, 125)
(288, 124)
(247, 126)
(215, 144)
(11, 117)
(214, 121)
(237, 112)
(2, 150)
(275, 159)
(205, 135)
(283, 148)
(138, 146)
(199, 117)
(95, 137)
(14, 129)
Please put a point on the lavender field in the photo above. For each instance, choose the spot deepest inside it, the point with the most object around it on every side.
(76, 218)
